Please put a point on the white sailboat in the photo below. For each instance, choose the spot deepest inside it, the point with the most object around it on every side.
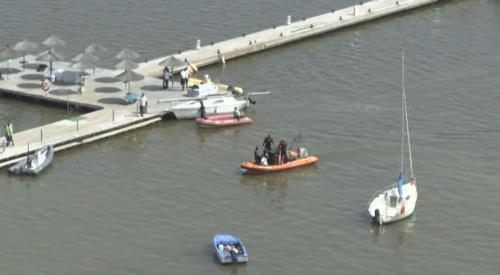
(398, 200)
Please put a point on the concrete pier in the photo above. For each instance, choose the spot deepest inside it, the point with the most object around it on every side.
(286, 33)
(109, 115)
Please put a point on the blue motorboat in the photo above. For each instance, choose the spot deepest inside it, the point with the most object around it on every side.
(229, 249)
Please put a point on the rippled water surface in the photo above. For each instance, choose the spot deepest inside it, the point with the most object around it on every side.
(149, 201)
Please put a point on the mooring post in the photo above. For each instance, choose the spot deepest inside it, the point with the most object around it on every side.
(289, 20)
(41, 135)
(77, 124)
(198, 44)
(113, 115)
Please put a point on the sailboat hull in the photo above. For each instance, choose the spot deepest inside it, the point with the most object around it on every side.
(387, 207)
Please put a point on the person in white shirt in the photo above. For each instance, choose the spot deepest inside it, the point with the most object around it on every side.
(237, 113)
(263, 160)
(142, 104)
(184, 78)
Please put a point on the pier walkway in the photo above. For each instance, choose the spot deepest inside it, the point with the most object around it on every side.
(284, 34)
(104, 94)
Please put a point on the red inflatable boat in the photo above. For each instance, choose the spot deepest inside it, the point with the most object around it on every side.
(222, 121)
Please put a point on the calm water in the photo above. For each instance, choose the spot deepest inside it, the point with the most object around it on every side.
(148, 202)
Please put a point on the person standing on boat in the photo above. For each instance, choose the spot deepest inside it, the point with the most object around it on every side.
(9, 132)
(257, 156)
(202, 110)
(143, 102)
(237, 113)
(166, 77)
(282, 151)
(268, 143)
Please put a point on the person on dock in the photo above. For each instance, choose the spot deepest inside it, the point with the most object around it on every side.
(166, 77)
(184, 78)
(268, 143)
(143, 102)
(202, 110)
(237, 114)
(9, 132)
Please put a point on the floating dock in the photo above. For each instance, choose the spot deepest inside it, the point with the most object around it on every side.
(108, 115)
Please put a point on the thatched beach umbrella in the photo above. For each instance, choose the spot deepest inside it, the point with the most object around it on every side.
(128, 76)
(8, 53)
(173, 63)
(54, 42)
(126, 64)
(127, 54)
(50, 56)
(25, 46)
(82, 65)
(95, 48)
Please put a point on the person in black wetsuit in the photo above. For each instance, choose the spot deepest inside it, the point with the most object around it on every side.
(282, 151)
(257, 155)
(268, 143)
(202, 110)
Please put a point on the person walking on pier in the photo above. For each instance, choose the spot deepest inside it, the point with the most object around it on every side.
(166, 77)
(9, 132)
(143, 102)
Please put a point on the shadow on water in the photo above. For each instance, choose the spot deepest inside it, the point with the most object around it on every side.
(397, 232)
(229, 269)
(274, 186)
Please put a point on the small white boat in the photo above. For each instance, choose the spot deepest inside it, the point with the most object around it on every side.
(398, 201)
(213, 105)
(34, 163)
(229, 249)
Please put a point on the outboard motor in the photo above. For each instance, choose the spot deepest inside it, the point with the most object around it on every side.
(252, 101)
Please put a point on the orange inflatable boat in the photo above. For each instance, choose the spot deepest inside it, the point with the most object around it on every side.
(252, 167)
(222, 120)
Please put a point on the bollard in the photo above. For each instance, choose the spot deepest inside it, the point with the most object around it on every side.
(41, 135)
(77, 124)
(198, 44)
(113, 114)
(289, 20)
(354, 8)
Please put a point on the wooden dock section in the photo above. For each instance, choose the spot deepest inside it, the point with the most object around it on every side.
(284, 34)
(103, 99)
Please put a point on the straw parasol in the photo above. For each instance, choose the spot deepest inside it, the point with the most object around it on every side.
(49, 56)
(172, 62)
(25, 46)
(54, 42)
(95, 48)
(126, 64)
(128, 76)
(8, 53)
(127, 54)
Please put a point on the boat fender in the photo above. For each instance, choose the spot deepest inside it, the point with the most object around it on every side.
(402, 209)
(45, 86)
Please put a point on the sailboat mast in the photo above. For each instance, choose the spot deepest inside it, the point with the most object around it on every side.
(405, 119)
(402, 108)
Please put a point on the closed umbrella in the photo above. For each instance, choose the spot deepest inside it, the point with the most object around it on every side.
(8, 53)
(127, 76)
(49, 56)
(54, 42)
(127, 54)
(25, 46)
